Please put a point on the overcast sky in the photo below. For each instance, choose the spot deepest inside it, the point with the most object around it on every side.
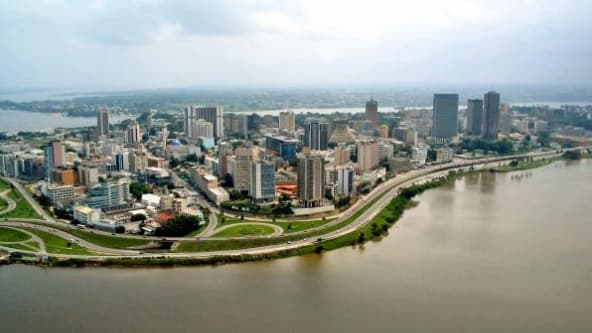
(158, 43)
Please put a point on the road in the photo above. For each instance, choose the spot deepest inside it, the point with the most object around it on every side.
(11, 203)
(390, 187)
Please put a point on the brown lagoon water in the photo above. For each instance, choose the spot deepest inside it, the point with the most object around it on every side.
(490, 253)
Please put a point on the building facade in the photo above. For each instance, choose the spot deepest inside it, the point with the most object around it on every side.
(474, 116)
(316, 134)
(445, 117)
(490, 122)
(311, 180)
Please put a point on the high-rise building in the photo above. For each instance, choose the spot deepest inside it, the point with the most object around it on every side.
(311, 179)
(287, 121)
(202, 129)
(490, 122)
(243, 122)
(474, 116)
(316, 134)
(211, 114)
(368, 155)
(102, 122)
(445, 117)
(134, 133)
(345, 179)
(54, 157)
(342, 155)
(372, 111)
(242, 174)
(262, 186)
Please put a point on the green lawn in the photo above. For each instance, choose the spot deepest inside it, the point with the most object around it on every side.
(4, 185)
(21, 246)
(221, 245)
(12, 235)
(23, 208)
(3, 204)
(58, 245)
(243, 230)
(289, 227)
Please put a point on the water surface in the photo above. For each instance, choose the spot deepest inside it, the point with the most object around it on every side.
(490, 253)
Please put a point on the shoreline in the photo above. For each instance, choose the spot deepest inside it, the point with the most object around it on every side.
(374, 228)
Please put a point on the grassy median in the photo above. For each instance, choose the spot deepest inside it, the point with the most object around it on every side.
(23, 208)
(244, 230)
(13, 235)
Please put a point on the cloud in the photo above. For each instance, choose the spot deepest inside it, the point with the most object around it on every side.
(153, 43)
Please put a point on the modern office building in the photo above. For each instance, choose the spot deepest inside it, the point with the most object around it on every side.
(372, 111)
(490, 122)
(311, 179)
(133, 133)
(474, 116)
(342, 155)
(368, 155)
(242, 174)
(102, 122)
(109, 195)
(211, 114)
(202, 129)
(345, 179)
(287, 121)
(59, 195)
(282, 146)
(54, 157)
(316, 134)
(445, 117)
(262, 188)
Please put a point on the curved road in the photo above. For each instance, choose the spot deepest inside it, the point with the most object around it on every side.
(390, 187)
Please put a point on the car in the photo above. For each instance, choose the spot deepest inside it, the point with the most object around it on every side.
(289, 242)
(112, 234)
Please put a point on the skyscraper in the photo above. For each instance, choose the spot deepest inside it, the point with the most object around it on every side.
(372, 111)
(474, 116)
(102, 122)
(242, 174)
(287, 121)
(445, 117)
(211, 114)
(54, 157)
(368, 157)
(490, 122)
(311, 179)
(134, 133)
(262, 181)
(316, 134)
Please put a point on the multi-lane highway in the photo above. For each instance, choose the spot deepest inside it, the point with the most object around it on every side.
(384, 192)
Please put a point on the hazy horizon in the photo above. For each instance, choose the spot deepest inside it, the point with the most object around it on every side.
(155, 44)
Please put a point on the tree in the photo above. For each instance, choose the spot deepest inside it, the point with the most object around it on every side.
(138, 217)
(137, 189)
(178, 226)
(120, 229)
(192, 158)
(44, 200)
